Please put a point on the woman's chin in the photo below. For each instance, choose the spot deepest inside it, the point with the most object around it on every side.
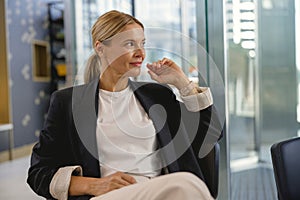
(134, 72)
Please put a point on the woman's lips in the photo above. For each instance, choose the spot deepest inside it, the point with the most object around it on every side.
(136, 64)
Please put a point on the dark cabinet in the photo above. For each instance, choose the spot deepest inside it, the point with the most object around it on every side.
(57, 44)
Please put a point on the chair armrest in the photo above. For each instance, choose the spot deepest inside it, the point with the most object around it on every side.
(210, 169)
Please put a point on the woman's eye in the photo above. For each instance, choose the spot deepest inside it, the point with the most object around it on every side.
(129, 44)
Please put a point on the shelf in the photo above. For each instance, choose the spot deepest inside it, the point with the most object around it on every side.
(6, 127)
(57, 43)
(41, 65)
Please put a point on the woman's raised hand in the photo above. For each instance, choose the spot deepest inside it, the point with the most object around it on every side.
(168, 72)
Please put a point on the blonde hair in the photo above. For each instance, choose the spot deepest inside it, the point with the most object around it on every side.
(106, 26)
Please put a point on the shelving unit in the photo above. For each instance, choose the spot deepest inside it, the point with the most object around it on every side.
(57, 44)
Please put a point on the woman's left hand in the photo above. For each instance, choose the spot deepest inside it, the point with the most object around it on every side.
(168, 72)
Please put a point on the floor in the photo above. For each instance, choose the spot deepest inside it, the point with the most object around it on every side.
(13, 184)
(256, 183)
(252, 176)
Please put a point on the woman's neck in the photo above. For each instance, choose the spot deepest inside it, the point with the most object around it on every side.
(113, 83)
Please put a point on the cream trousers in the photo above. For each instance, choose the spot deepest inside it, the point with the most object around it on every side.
(174, 186)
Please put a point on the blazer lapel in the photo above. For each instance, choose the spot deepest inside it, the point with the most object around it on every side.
(85, 108)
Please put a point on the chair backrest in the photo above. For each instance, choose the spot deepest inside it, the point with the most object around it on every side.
(286, 165)
(210, 169)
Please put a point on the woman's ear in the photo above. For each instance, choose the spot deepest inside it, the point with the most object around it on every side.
(99, 47)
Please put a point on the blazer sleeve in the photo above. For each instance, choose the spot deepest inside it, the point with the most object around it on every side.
(49, 154)
(198, 124)
(201, 124)
(203, 127)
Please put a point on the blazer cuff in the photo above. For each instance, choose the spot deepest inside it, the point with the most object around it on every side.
(200, 101)
(59, 186)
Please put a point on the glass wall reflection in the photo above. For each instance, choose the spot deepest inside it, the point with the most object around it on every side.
(241, 51)
(262, 89)
(261, 68)
(277, 72)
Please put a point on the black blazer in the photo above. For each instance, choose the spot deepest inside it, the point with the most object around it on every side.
(69, 134)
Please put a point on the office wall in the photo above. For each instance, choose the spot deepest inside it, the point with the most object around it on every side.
(26, 21)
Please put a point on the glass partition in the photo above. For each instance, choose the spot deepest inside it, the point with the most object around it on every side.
(261, 65)
(262, 90)
(241, 52)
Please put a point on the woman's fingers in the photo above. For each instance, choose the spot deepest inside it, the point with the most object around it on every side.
(128, 178)
(163, 64)
(167, 71)
(153, 76)
(118, 181)
(166, 61)
(157, 68)
(154, 65)
(122, 178)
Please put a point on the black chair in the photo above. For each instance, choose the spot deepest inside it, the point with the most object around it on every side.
(286, 164)
(210, 169)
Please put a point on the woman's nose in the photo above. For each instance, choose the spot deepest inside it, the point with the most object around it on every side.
(140, 52)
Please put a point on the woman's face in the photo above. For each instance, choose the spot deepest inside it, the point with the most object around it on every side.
(124, 53)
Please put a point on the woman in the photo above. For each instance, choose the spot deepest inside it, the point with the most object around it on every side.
(113, 138)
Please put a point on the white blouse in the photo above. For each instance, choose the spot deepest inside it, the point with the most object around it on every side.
(126, 137)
